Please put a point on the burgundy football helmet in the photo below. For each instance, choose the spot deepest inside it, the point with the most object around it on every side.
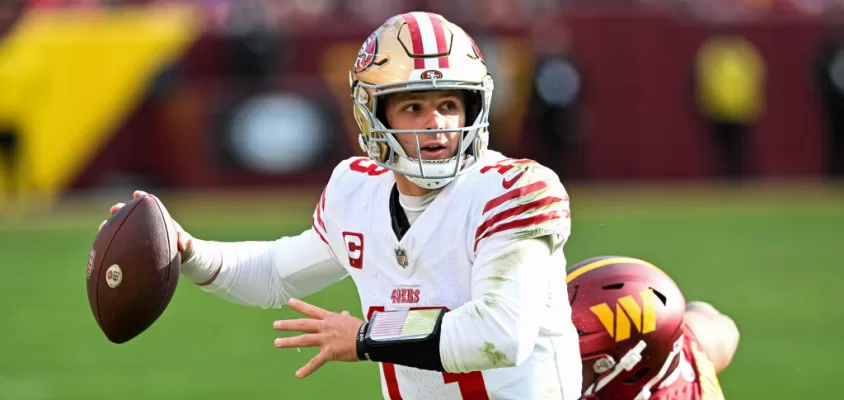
(629, 315)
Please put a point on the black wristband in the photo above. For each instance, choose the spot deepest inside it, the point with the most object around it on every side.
(416, 353)
(423, 354)
(363, 353)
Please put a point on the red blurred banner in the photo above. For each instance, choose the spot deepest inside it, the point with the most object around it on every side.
(637, 113)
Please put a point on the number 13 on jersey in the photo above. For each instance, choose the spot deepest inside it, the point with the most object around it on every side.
(471, 384)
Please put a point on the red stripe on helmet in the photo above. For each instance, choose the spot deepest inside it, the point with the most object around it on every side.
(415, 40)
(439, 32)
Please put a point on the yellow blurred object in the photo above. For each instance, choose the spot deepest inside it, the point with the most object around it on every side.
(69, 77)
(731, 76)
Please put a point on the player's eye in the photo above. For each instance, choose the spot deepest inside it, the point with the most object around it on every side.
(411, 108)
(449, 105)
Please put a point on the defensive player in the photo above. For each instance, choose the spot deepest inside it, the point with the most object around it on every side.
(638, 337)
(429, 220)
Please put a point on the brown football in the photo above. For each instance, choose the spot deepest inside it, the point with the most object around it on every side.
(133, 269)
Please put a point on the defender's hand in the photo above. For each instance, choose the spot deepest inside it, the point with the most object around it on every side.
(334, 334)
(183, 239)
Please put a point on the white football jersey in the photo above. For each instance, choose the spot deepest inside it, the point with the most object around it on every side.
(498, 201)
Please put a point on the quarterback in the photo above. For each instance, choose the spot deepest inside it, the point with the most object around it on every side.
(639, 340)
(456, 250)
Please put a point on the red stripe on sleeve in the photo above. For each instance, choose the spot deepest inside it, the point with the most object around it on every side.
(314, 225)
(514, 194)
(521, 223)
(543, 202)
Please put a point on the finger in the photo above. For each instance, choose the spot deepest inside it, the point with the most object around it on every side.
(309, 340)
(138, 193)
(300, 325)
(345, 313)
(102, 224)
(307, 309)
(318, 361)
(182, 241)
(115, 208)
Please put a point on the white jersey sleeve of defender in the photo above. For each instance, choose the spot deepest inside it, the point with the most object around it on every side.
(500, 325)
(268, 274)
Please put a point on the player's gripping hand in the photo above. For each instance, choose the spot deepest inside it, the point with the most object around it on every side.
(183, 239)
(334, 334)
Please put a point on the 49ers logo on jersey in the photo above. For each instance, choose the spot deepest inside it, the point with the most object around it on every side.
(366, 54)
(405, 295)
(354, 248)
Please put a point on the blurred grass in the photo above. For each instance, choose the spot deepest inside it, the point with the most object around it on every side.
(768, 256)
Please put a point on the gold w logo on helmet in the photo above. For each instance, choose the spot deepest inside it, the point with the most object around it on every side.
(628, 311)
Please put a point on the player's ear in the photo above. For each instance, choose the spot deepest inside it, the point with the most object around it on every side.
(717, 333)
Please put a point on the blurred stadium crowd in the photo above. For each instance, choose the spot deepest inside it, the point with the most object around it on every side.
(483, 12)
(109, 93)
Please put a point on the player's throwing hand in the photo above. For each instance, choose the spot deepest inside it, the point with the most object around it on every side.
(184, 239)
(334, 334)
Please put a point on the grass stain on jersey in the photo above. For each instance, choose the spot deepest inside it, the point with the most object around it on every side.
(503, 264)
(525, 199)
(496, 357)
(551, 392)
(531, 234)
(554, 240)
(478, 311)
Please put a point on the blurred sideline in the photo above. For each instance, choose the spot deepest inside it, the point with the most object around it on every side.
(267, 206)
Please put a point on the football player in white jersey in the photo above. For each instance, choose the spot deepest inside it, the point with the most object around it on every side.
(456, 250)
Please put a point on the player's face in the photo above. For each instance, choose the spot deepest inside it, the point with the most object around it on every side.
(420, 111)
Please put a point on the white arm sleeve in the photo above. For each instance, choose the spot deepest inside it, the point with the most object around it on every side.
(268, 274)
(500, 325)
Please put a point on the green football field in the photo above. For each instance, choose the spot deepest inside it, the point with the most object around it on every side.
(767, 257)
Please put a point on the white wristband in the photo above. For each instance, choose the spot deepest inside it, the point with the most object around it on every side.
(202, 261)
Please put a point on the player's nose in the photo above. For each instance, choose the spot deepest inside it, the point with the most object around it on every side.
(435, 120)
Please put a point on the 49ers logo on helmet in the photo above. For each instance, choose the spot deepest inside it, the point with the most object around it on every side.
(432, 74)
(366, 54)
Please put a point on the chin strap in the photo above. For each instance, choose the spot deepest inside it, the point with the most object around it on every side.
(645, 393)
(633, 357)
(630, 360)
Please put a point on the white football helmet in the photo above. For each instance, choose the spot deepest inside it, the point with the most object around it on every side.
(420, 51)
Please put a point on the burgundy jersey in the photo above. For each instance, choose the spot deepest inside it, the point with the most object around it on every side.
(696, 377)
